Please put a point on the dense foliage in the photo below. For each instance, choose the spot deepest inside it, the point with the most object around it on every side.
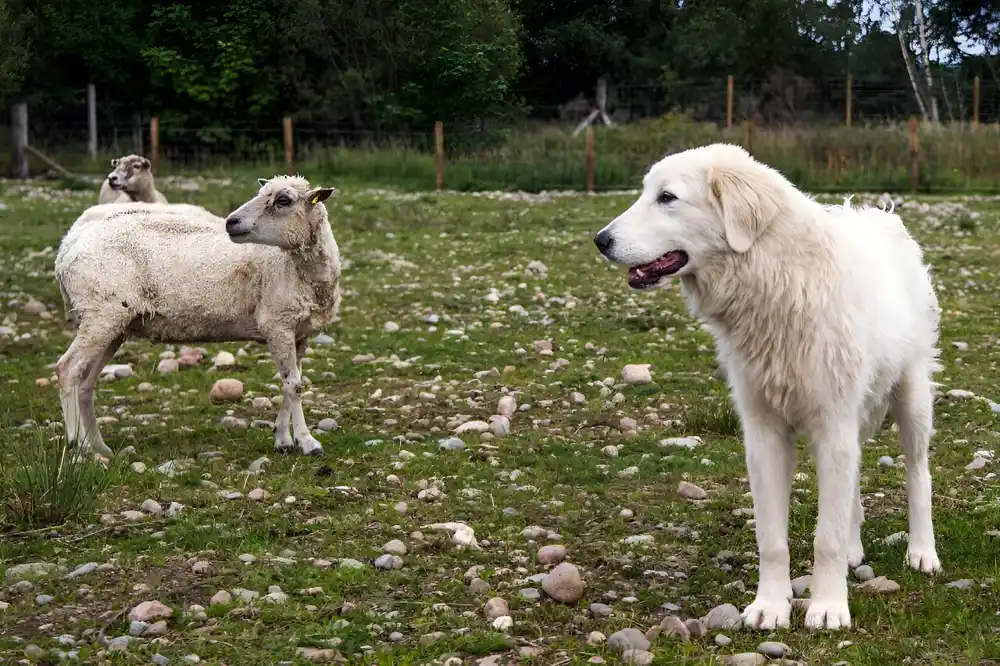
(404, 63)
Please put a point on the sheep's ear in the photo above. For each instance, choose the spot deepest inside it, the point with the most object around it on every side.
(261, 181)
(114, 162)
(145, 163)
(747, 205)
(320, 194)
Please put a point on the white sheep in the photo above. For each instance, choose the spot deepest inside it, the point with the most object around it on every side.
(130, 180)
(269, 273)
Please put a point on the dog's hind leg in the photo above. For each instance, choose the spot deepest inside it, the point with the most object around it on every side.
(913, 408)
(856, 547)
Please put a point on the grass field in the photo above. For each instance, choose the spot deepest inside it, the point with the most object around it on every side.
(453, 272)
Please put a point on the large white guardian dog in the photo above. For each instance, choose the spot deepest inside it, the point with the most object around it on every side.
(824, 318)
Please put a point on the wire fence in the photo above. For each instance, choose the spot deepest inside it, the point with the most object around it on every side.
(868, 144)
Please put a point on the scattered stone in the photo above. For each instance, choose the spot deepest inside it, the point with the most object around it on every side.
(31, 569)
(451, 444)
(895, 538)
(317, 655)
(139, 467)
(472, 426)
(628, 639)
(636, 374)
(81, 570)
(224, 360)
(887, 461)
(221, 597)
(328, 425)
(530, 594)
(773, 649)
(800, 585)
(389, 562)
(726, 616)
(880, 585)
(43, 599)
(506, 406)
(152, 507)
(553, 554)
(323, 339)
(349, 563)
(136, 627)
(745, 659)
(696, 628)
(864, 573)
(150, 610)
(478, 586)
(691, 491)
(227, 390)
(564, 583)
(722, 640)
(672, 625)
(977, 463)
(628, 425)
(596, 638)
(499, 426)
(601, 610)
(503, 623)
(960, 394)
(258, 495)
(637, 657)
(201, 567)
(394, 547)
(961, 584)
(168, 365)
(496, 607)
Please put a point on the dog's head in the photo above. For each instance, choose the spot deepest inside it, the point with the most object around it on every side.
(695, 206)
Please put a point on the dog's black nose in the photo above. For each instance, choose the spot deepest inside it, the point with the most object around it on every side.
(604, 241)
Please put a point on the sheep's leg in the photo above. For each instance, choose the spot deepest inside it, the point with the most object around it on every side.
(309, 444)
(94, 337)
(282, 347)
(90, 438)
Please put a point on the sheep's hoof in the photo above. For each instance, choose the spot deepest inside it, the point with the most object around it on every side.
(315, 453)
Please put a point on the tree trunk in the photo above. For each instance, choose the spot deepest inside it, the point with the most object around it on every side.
(910, 69)
(931, 99)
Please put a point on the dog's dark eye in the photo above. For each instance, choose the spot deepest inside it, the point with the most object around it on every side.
(283, 201)
(665, 197)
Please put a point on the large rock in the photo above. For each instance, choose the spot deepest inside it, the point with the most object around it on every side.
(564, 584)
(227, 390)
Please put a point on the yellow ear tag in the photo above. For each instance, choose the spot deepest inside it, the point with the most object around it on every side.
(315, 199)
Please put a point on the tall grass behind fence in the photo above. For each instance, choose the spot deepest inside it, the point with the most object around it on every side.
(951, 157)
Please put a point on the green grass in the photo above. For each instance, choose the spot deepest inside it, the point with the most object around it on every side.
(420, 254)
(828, 158)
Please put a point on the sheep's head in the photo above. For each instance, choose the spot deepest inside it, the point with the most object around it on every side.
(129, 173)
(285, 213)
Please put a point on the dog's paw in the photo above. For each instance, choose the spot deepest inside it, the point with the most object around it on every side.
(828, 614)
(923, 559)
(767, 614)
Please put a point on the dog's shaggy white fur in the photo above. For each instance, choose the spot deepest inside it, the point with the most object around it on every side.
(825, 317)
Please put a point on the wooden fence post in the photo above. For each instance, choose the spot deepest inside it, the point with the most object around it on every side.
(439, 155)
(849, 110)
(289, 145)
(590, 158)
(154, 142)
(914, 155)
(729, 102)
(975, 103)
(748, 135)
(91, 121)
(19, 137)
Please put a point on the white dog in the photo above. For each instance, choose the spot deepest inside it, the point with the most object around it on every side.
(824, 317)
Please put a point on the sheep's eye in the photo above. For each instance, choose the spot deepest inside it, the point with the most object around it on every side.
(283, 201)
(665, 197)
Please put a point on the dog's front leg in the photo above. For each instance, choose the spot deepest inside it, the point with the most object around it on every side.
(838, 455)
(770, 457)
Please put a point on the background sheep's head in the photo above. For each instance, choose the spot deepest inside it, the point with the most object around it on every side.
(128, 173)
(285, 212)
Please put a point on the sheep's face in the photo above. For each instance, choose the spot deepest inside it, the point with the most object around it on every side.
(283, 213)
(129, 173)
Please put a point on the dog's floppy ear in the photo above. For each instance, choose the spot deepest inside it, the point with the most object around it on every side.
(746, 205)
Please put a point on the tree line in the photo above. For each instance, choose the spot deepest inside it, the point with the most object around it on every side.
(401, 64)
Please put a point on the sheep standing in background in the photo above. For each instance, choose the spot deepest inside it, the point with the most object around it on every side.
(270, 274)
(131, 180)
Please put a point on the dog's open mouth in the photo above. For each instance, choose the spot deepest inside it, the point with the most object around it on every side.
(648, 275)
